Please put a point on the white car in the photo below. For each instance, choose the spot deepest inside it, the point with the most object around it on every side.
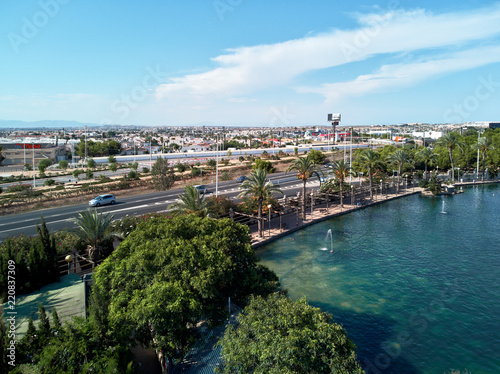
(102, 200)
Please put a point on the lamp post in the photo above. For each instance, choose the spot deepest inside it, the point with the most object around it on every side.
(269, 208)
(381, 190)
(312, 203)
(68, 259)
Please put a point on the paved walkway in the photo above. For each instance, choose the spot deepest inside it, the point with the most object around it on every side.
(320, 213)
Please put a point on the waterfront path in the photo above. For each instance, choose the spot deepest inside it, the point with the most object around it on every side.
(290, 223)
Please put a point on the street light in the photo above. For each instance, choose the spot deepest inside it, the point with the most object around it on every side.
(68, 259)
(312, 203)
(269, 207)
(381, 190)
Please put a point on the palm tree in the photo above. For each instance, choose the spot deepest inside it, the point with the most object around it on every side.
(484, 144)
(92, 229)
(370, 160)
(427, 156)
(340, 170)
(257, 186)
(400, 157)
(306, 168)
(450, 141)
(192, 202)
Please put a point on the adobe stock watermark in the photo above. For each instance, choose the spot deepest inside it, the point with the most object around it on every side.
(418, 323)
(31, 26)
(280, 117)
(138, 94)
(484, 90)
(223, 6)
(365, 36)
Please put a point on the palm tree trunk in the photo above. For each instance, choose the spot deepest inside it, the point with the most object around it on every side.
(484, 162)
(452, 166)
(426, 171)
(259, 220)
(399, 179)
(304, 200)
(341, 194)
(371, 183)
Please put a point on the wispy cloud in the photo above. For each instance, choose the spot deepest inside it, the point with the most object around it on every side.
(395, 76)
(249, 69)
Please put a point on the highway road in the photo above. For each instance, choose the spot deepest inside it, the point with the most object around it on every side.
(60, 218)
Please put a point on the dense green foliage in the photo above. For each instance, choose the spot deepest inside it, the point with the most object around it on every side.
(171, 273)
(51, 348)
(43, 165)
(92, 229)
(191, 202)
(35, 258)
(317, 157)
(278, 335)
(98, 149)
(263, 165)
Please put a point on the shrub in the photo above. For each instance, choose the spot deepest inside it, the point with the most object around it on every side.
(219, 206)
(19, 188)
(49, 182)
(195, 172)
(181, 168)
(423, 183)
(225, 176)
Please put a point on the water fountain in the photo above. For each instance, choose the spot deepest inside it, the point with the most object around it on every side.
(329, 233)
(442, 209)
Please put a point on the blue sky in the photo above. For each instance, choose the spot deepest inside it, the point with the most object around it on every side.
(242, 62)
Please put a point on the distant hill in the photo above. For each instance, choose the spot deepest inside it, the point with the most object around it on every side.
(13, 124)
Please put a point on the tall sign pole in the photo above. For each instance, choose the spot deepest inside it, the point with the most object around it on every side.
(334, 119)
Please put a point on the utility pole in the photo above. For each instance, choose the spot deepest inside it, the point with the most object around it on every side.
(85, 144)
(217, 166)
(477, 167)
(350, 159)
(34, 178)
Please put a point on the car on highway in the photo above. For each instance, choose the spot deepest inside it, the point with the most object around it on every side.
(241, 179)
(102, 200)
(201, 188)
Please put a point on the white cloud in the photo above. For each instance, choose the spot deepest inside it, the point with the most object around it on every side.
(250, 69)
(400, 75)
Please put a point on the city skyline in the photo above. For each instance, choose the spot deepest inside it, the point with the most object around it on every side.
(238, 63)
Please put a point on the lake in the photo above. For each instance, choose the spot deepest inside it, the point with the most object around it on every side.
(414, 281)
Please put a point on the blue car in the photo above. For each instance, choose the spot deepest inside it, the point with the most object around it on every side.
(241, 179)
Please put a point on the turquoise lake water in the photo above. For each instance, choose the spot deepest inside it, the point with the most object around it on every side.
(415, 288)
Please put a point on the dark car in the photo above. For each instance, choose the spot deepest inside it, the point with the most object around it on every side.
(241, 179)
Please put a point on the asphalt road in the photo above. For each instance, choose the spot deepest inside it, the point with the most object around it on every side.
(60, 218)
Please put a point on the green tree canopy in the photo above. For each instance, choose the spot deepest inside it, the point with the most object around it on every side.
(63, 164)
(317, 156)
(170, 273)
(91, 164)
(162, 175)
(278, 335)
(263, 165)
(43, 165)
